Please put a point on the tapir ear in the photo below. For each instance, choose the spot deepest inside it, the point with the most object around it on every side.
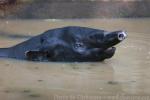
(36, 55)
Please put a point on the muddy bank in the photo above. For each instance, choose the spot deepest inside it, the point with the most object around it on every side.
(40, 9)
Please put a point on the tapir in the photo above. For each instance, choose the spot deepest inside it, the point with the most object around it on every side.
(67, 44)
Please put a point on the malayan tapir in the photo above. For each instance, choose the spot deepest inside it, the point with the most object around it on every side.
(67, 44)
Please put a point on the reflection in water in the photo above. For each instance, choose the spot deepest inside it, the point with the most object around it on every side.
(126, 73)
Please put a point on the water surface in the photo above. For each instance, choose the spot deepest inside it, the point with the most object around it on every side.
(127, 73)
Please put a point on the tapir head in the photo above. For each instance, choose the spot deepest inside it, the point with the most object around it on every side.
(107, 41)
(111, 39)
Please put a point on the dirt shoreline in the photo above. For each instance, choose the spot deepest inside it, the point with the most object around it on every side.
(37, 9)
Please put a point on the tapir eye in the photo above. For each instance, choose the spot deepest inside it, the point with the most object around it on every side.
(79, 45)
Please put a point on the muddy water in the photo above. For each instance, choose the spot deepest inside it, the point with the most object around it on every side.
(127, 73)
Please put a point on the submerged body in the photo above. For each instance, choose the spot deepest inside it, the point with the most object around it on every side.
(75, 44)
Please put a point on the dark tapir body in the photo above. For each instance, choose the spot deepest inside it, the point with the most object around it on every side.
(77, 44)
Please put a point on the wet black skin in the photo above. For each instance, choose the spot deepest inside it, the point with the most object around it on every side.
(67, 44)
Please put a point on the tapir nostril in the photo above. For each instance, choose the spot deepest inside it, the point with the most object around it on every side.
(122, 35)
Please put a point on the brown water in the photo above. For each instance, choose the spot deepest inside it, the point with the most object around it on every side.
(127, 73)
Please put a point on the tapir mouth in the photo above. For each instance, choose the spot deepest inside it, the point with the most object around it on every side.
(109, 52)
(110, 48)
